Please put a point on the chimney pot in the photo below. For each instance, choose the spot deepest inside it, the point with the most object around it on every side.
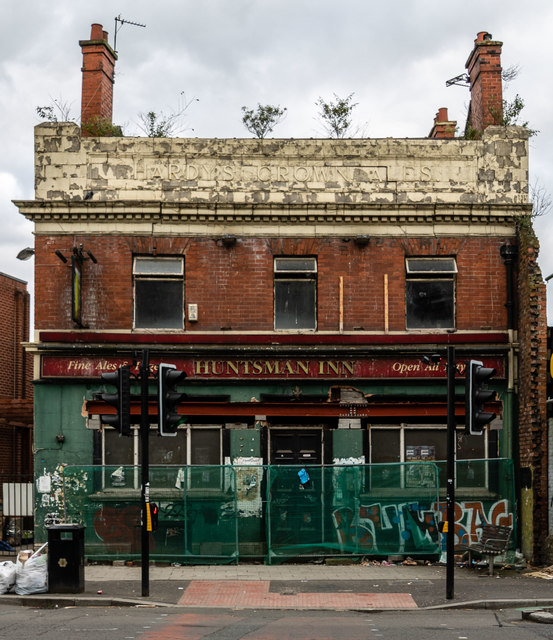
(481, 36)
(441, 116)
(443, 128)
(97, 32)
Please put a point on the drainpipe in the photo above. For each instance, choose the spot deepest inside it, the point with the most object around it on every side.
(510, 443)
(509, 253)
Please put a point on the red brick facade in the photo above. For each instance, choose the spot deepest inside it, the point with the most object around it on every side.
(14, 329)
(233, 287)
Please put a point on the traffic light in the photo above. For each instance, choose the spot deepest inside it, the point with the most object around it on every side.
(121, 400)
(169, 398)
(476, 396)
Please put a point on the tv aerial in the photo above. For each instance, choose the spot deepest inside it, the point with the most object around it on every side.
(462, 80)
(119, 22)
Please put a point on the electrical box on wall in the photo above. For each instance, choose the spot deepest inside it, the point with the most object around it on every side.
(192, 313)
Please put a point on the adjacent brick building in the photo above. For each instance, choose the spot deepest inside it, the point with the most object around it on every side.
(307, 288)
(16, 405)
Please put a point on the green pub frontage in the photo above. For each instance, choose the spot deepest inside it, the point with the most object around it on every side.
(277, 457)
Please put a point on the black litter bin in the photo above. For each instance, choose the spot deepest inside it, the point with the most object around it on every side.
(65, 558)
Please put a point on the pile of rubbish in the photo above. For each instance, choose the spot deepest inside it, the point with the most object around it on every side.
(394, 561)
(546, 573)
(28, 574)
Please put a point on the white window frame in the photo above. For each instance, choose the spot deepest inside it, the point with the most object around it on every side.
(167, 274)
(309, 274)
(447, 273)
(134, 442)
(418, 427)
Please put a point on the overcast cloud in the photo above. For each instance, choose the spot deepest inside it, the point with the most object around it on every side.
(395, 57)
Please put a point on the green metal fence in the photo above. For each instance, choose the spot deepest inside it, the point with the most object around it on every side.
(219, 514)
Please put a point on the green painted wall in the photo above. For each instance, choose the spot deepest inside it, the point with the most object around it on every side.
(57, 411)
(245, 443)
(243, 391)
(347, 443)
(59, 408)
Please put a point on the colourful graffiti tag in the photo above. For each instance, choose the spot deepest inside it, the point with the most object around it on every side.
(470, 516)
(412, 526)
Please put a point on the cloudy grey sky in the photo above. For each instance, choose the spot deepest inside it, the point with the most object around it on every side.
(395, 56)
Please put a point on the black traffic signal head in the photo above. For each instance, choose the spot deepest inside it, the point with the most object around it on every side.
(121, 400)
(169, 398)
(476, 396)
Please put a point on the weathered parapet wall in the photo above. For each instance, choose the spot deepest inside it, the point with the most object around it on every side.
(309, 172)
(532, 423)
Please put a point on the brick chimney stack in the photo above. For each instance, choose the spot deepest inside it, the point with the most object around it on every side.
(443, 127)
(98, 77)
(486, 91)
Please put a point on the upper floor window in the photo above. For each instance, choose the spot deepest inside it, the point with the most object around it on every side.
(430, 293)
(295, 293)
(158, 292)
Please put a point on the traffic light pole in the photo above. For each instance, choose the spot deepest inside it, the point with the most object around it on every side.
(145, 469)
(450, 497)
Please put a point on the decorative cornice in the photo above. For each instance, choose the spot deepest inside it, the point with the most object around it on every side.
(127, 212)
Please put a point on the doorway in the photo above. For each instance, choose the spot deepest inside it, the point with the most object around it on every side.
(293, 446)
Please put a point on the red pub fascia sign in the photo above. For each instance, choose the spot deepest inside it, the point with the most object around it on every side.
(262, 368)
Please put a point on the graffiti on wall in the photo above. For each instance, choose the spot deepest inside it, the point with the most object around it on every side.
(378, 528)
(471, 515)
(119, 528)
(413, 526)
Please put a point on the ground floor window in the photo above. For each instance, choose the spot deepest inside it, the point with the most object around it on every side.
(418, 443)
(198, 445)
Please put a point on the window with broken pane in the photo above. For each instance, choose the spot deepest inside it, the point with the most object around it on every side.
(158, 292)
(430, 292)
(295, 293)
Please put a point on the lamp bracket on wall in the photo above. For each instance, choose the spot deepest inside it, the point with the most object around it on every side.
(78, 254)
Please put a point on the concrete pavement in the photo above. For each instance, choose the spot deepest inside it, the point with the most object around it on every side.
(372, 586)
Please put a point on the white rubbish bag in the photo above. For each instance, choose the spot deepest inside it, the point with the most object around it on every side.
(31, 572)
(7, 576)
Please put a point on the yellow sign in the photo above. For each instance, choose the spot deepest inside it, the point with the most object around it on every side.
(445, 527)
(148, 517)
(551, 366)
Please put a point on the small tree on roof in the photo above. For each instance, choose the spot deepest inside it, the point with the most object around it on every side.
(335, 115)
(262, 120)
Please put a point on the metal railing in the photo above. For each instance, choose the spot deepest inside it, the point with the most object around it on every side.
(218, 514)
(16, 512)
